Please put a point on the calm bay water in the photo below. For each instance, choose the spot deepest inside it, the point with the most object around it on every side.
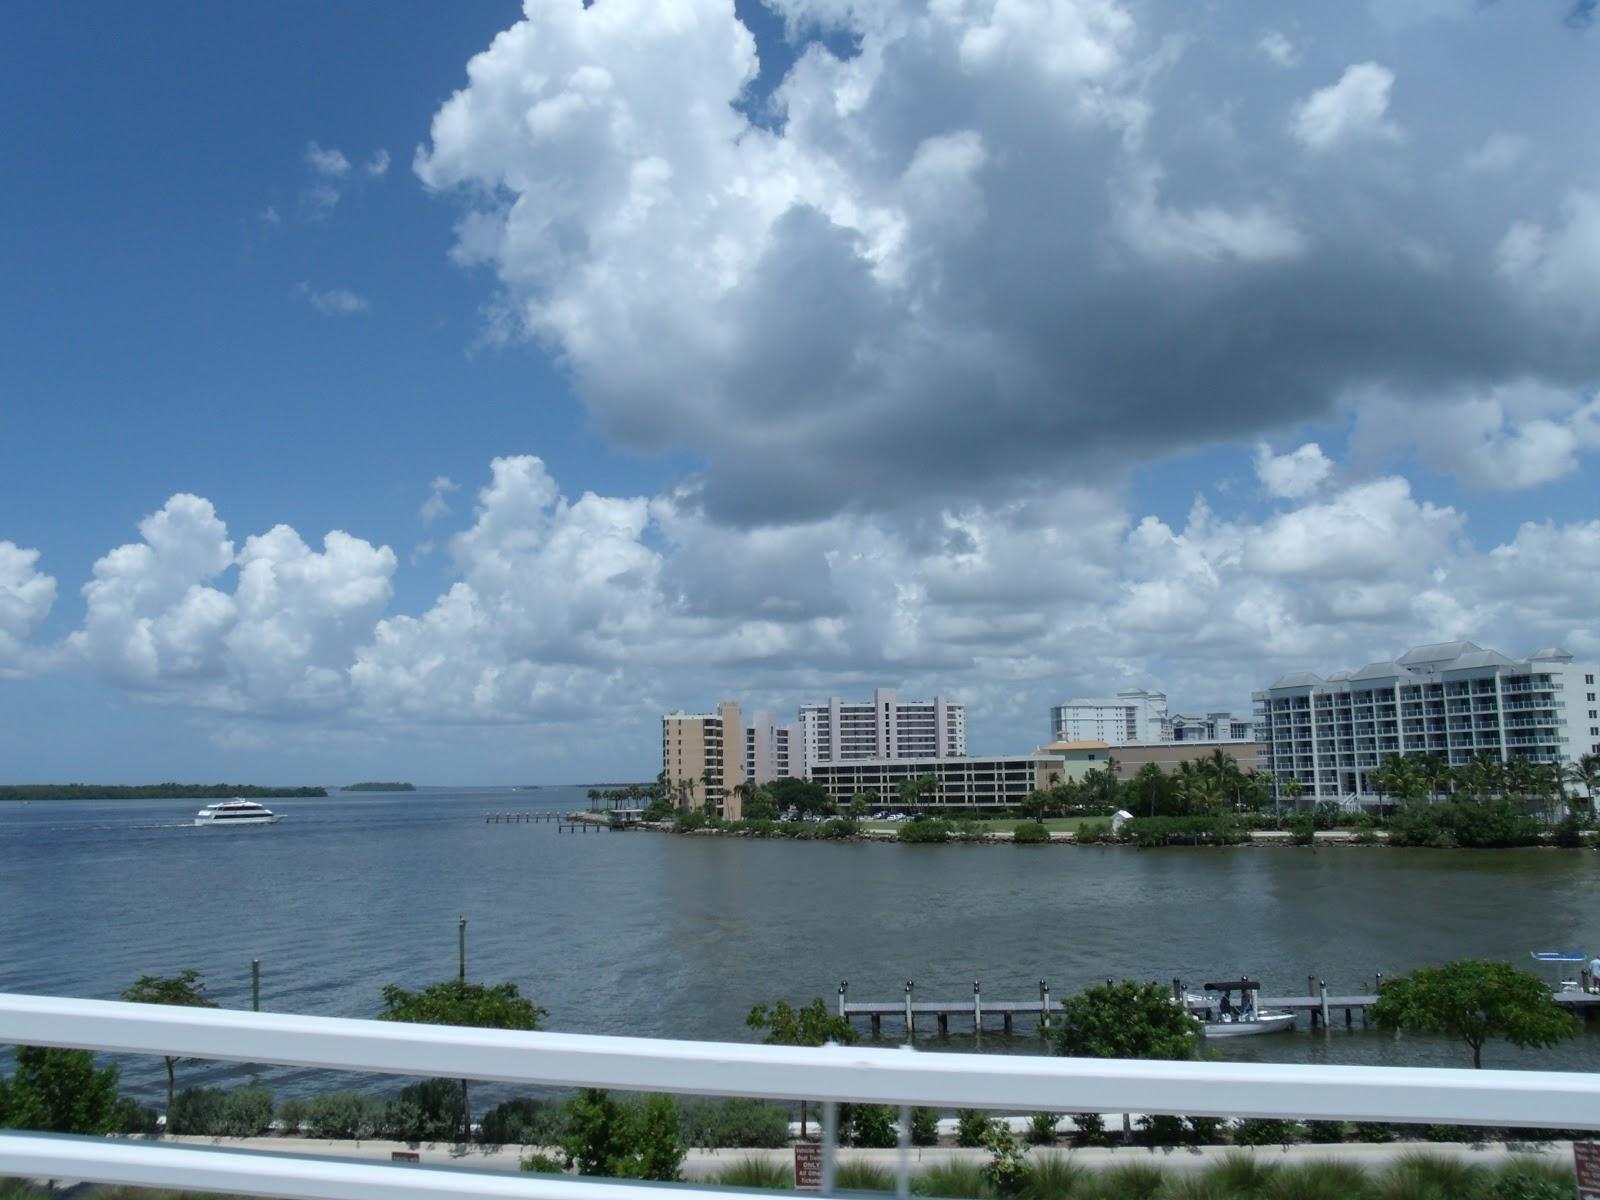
(648, 934)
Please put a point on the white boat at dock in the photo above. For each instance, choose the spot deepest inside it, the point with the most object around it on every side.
(1224, 1019)
(236, 812)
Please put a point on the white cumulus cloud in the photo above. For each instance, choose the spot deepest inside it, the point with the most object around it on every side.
(26, 597)
(332, 302)
(330, 162)
(1353, 110)
(1294, 475)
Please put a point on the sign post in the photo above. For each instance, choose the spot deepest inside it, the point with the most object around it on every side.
(808, 1167)
(1586, 1161)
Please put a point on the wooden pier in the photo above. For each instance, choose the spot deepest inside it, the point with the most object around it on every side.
(521, 818)
(1321, 1007)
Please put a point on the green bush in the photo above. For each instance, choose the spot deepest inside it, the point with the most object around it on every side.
(1568, 832)
(1159, 1130)
(1325, 1131)
(292, 1115)
(344, 1115)
(1303, 829)
(1042, 1128)
(1094, 831)
(542, 1163)
(60, 1091)
(1089, 1129)
(1186, 831)
(1258, 1131)
(634, 1141)
(245, 1112)
(196, 1112)
(924, 1126)
(971, 1125)
(427, 1112)
(1205, 1131)
(736, 1123)
(925, 830)
(840, 827)
(1030, 833)
(1373, 1131)
(1481, 824)
(687, 820)
(1008, 1159)
(525, 1122)
(132, 1117)
(872, 1125)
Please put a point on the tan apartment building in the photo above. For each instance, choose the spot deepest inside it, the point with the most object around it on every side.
(703, 753)
(1167, 755)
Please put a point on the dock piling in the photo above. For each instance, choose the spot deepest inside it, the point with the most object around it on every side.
(844, 986)
(1322, 991)
(911, 1026)
(255, 985)
(977, 1007)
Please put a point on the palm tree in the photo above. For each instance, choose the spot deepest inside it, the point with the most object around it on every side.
(1436, 770)
(1583, 773)
(1292, 788)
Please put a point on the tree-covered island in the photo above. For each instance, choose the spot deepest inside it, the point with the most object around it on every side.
(378, 786)
(151, 791)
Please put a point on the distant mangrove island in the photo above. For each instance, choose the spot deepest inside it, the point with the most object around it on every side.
(379, 786)
(150, 791)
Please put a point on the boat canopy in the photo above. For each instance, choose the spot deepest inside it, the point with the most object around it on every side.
(1236, 985)
(1552, 956)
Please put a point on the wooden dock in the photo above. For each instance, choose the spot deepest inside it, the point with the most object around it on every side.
(521, 818)
(1321, 1007)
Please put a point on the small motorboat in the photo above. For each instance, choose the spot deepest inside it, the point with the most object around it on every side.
(1223, 1018)
(1568, 968)
(236, 812)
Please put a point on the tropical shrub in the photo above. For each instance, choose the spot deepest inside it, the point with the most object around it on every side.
(1303, 829)
(291, 1116)
(1094, 831)
(1030, 833)
(1007, 1167)
(757, 1173)
(1089, 1129)
(1042, 1128)
(1325, 1131)
(924, 1126)
(872, 1125)
(525, 1122)
(735, 1123)
(1258, 1131)
(1206, 1131)
(429, 1111)
(344, 1115)
(633, 1141)
(132, 1117)
(971, 1125)
(925, 830)
(1159, 1130)
(544, 1164)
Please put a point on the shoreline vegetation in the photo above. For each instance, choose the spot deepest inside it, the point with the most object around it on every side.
(154, 791)
(1212, 801)
(1438, 830)
(379, 786)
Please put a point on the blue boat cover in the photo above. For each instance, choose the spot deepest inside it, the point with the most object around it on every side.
(1559, 956)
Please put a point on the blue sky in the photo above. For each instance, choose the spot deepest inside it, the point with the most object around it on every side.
(893, 350)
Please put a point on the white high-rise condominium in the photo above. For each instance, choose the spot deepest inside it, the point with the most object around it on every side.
(1453, 699)
(883, 728)
(1134, 715)
(772, 751)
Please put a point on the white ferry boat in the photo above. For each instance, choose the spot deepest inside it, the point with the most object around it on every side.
(236, 812)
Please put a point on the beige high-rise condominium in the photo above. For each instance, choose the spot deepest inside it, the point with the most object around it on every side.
(703, 756)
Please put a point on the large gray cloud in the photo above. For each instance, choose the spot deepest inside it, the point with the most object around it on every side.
(1015, 241)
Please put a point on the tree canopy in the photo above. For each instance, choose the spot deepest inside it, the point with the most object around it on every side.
(485, 1006)
(1473, 1001)
(59, 1091)
(1126, 1020)
(812, 1025)
(186, 989)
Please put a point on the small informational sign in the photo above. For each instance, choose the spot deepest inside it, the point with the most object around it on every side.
(808, 1167)
(1586, 1161)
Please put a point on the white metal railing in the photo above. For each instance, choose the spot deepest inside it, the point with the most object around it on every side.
(830, 1073)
